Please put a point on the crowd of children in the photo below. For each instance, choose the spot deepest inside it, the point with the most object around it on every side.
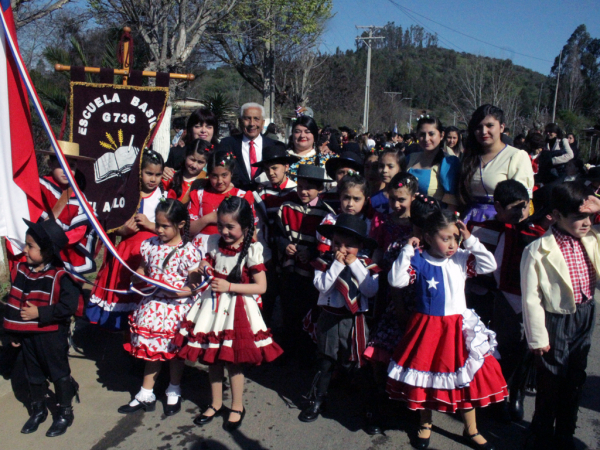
(367, 260)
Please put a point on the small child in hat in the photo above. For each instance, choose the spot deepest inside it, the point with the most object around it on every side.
(61, 203)
(345, 282)
(337, 168)
(41, 302)
(274, 188)
(296, 239)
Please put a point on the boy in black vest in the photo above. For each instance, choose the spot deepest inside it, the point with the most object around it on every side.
(42, 299)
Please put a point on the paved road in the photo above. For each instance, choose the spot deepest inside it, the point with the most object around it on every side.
(108, 377)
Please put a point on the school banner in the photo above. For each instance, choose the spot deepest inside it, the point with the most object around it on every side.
(113, 124)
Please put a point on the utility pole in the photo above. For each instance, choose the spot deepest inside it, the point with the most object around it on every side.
(454, 118)
(556, 91)
(410, 122)
(393, 96)
(367, 41)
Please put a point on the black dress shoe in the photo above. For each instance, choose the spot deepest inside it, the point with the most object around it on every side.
(39, 413)
(203, 420)
(469, 439)
(515, 406)
(171, 410)
(373, 427)
(316, 407)
(63, 420)
(146, 406)
(230, 426)
(422, 443)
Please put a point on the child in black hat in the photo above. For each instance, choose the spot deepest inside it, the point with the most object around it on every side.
(345, 282)
(42, 299)
(297, 242)
(274, 189)
(337, 168)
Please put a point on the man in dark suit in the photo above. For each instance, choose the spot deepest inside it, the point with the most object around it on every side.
(247, 148)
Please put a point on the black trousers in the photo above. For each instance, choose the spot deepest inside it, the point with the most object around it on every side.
(512, 344)
(46, 355)
(298, 295)
(561, 371)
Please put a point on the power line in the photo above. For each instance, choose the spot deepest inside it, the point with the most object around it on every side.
(404, 9)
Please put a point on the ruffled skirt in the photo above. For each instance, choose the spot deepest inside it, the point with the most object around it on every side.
(226, 328)
(154, 326)
(446, 363)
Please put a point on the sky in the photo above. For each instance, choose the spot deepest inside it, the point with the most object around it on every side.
(537, 28)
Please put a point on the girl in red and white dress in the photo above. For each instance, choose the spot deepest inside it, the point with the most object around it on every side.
(444, 360)
(169, 258)
(225, 327)
(110, 309)
(204, 202)
(196, 156)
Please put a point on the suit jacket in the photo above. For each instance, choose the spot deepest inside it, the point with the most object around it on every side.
(546, 284)
(241, 177)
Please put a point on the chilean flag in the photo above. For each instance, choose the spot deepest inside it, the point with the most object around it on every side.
(20, 195)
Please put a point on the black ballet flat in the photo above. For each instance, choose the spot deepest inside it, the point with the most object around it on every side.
(146, 406)
(231, 426)
(171, 410)
(203, 420)
(469, 439)
(422, 443)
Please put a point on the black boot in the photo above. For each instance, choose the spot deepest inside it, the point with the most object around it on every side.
(311, 413)
(39, 414)
(65, 389)
(515, 405)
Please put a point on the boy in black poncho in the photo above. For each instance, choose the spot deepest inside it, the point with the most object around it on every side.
(42, 299)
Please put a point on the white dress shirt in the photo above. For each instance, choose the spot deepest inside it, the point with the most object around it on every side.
(246, 152)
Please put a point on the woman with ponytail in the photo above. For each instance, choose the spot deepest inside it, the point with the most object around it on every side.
(225, 327)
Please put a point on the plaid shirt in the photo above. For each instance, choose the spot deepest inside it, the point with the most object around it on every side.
(581, 271)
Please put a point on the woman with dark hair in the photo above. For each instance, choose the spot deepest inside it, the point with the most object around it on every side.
(202, 124)
(573, 144)
(487, 162)
(305, 134)
(452, 142)
(436, 172)
(557, 153)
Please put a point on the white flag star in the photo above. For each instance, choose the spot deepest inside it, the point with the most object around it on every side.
(432, 283)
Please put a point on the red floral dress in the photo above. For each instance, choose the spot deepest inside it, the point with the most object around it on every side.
(155, 323)
(228, 327)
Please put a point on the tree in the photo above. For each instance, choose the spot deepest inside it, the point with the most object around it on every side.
(579, 86)
(28, 11)
(171, 29)
(260, 32)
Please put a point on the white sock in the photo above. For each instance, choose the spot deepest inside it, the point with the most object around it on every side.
(145, 395)
(173, 393)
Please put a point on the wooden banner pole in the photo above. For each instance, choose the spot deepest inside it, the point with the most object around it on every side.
(178, 76)
(126, 62)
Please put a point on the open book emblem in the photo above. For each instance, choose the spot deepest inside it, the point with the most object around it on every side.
(117, 162)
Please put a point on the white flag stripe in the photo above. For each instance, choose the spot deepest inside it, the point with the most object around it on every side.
(13, 201)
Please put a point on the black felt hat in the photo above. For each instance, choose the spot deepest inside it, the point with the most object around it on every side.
(349, 224)
(276, 153)
(312, 172)
(351, 160)
(50, 233)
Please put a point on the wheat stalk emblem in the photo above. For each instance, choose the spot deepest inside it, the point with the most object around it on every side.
(112, 144)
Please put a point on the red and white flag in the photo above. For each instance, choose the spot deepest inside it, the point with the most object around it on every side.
(20, 196)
